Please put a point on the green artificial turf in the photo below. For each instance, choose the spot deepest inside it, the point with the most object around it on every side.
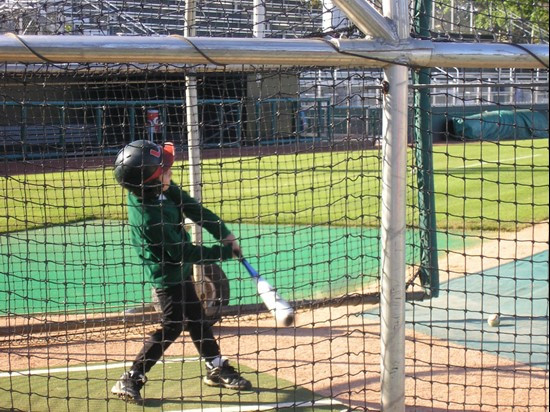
(171, 386)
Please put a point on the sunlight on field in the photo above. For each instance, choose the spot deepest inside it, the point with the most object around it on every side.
(492, 185)
(478, 185)
(172, 385)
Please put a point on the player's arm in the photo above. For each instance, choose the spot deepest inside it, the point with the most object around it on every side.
(211, 222)
(168, 245)
(204, 217)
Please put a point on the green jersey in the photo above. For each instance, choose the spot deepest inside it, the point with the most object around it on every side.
(164, 246)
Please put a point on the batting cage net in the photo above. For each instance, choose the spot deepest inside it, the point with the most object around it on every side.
(291, 157)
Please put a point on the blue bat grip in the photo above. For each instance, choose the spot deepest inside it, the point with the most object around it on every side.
(249, 268)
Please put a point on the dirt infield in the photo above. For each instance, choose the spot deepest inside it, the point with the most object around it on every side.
(336, 351)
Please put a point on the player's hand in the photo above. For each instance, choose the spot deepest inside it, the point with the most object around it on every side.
(232, 240)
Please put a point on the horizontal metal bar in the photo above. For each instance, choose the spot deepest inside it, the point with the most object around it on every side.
(118, 103)
(294, 99)
(283, 52)
(425, 53)
(95, 103)
(133, 103)
(502, 83)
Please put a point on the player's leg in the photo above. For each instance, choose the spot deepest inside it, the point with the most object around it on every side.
(218, 370)
(171, 302)
(129, 385)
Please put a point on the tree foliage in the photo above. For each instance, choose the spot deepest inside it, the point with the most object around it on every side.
(518, 21)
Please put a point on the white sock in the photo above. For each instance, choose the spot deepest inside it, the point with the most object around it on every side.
(217, 362)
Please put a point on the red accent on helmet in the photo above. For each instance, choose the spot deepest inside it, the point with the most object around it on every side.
(168, 156)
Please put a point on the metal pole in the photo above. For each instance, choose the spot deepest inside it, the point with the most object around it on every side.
(452, 16)
(242, 52)
(258, 25)
(258, 31)
(367, 19)
(423, 151)
(192, 119)
(394, 174)
(193, 138)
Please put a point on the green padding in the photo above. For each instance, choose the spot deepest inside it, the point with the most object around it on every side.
(91, 267)
(500, 125)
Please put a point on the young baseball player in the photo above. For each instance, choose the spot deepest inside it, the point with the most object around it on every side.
(157, 208)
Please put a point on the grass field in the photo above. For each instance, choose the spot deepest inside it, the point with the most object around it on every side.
(478, 185)
(174, 385)
(283, 208)
(492, 185)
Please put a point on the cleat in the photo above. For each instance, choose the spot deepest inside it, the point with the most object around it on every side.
(128, 387)
(225, 376)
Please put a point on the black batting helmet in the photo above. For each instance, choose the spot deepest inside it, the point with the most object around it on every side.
(139, 164)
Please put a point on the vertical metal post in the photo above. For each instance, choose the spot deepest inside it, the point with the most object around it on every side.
(349, 115)
(193, 137)
(471, 11)
(257, 114)
(452, 16)
(23, 130)
(192, 119)
(63, 133)
(163, 121)
(423, 150)
(330, 122)
(258, 31)
(394, 174)
(132, 122)
(319, 119)
(258, 23)
(99, 125)
(274, 124)
(240, 123)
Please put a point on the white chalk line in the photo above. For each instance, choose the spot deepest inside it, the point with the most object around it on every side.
(267, 407)
(85, 368)
(275, 406)
(493, 162)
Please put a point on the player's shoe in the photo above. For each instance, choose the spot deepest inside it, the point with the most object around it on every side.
(128, 387)
(225, 376)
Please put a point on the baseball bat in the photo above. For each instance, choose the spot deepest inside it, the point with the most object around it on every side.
(279, 308)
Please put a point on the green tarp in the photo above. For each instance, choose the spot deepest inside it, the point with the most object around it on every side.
(500, 125)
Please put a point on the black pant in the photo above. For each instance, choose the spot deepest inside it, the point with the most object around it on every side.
(177, 302)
